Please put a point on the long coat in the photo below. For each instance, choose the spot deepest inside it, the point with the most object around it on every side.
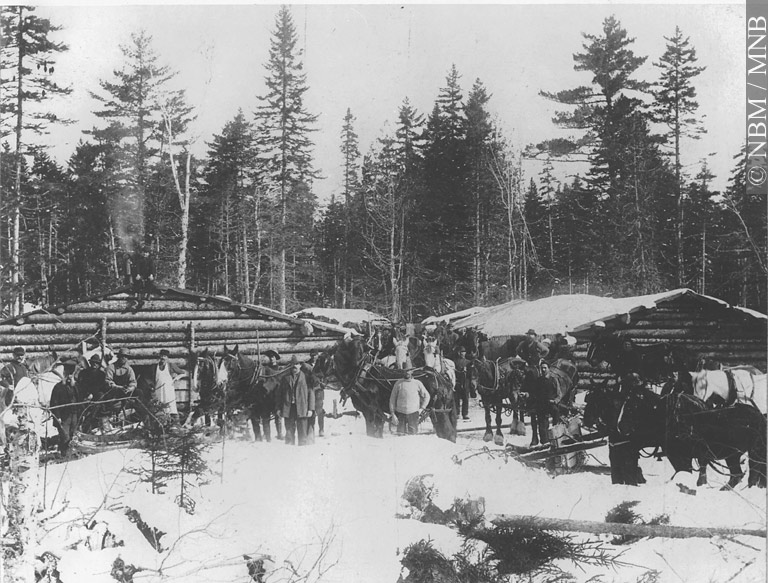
(295, 383)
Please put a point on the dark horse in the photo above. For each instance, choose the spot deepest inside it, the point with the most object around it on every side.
(369, 385)
(252, 390)
(498, 383)
(655, 362)
(691, 430)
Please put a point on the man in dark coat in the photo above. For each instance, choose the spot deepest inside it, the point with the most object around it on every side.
(463, 382)
(314, 384)
(15, 370)
(297, 403)
(65, 411)
(531, 350)
(91, 384)
(271, 369)
(543, 402)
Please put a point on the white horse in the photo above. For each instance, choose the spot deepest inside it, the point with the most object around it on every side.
(750, 385)
(434, 360)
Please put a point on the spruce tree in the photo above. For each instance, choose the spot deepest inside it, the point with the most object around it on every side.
(351, 153)
(29, 52)
(131, 105)
(282, 137)
(675, 106)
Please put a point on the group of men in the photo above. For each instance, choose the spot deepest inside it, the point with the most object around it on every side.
(93, 391)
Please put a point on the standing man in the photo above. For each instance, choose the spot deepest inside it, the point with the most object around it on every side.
(409, 397)
(64, 410)
(15, 370)
(531, 350)
(463, 382)
(314, 384)
(165, 372)
(121, 382)
(544, 399)
(297, 403)
(272, 369)
(91, 384)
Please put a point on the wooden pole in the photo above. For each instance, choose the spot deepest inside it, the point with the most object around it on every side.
(663, 531)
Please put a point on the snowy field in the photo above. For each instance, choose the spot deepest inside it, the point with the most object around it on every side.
(328, 511)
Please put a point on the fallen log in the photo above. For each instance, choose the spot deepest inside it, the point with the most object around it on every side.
(646, 530)
(570, 448)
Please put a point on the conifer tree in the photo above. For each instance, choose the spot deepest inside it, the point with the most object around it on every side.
(131, 105)
(282, 137)
(675, 106)
(351, 153)
(29, 52)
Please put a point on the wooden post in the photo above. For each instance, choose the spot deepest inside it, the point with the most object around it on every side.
(103, 335)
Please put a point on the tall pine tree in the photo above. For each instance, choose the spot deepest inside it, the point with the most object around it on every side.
(282, 139)
(28, 51)
(675, 106)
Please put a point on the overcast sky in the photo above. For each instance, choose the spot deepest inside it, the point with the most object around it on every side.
(370, 57)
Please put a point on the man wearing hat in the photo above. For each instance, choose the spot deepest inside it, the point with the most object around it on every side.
(314, 384)
(15, 370)
(531, 350)
(91, 383)
(463, 382)
(271, 369)
(120, 375)
(296, 403)
(64, 411)
(408, 399)
(164, 374)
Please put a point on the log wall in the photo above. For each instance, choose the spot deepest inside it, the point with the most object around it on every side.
(178, 321)
(705, 328)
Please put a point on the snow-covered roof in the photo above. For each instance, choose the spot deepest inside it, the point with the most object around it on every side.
(454, 316)
(624, 306)
(568, 313)
(342, 316)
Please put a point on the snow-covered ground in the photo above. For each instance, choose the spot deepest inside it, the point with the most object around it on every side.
(330, 510)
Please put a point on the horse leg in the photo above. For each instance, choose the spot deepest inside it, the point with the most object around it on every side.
(702, 481)
(498, 439)
(733, 462)
(488, 431)
(534, 429)
(255, 425)
(266, 421)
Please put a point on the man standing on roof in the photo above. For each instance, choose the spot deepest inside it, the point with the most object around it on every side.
(531, 350)
(272, 369)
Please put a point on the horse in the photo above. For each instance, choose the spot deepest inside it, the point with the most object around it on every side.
(369, 385)
(33, 393)
(731, 385)
(691, 430)
(655, 363)
(434, 359)
(498, 383)
(250, 390)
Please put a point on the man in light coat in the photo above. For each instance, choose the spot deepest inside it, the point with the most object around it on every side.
(296, 403)
(409, 397)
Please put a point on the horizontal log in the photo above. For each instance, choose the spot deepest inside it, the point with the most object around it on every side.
(643, 530)
(142, 315)
(137, 324)
(181, 336)
(153, 305)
